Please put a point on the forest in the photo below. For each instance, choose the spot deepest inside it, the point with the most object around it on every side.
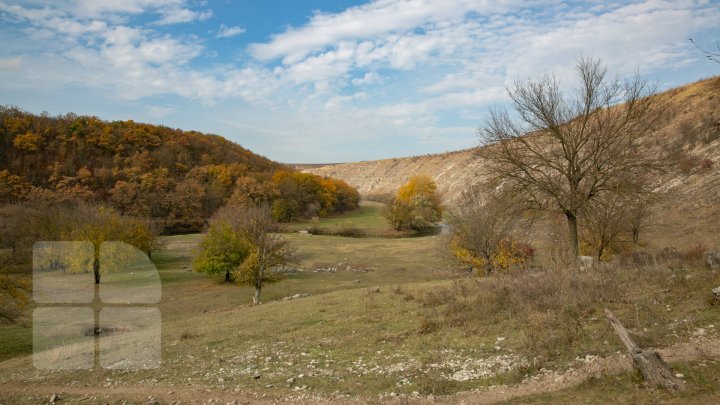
(175, 178)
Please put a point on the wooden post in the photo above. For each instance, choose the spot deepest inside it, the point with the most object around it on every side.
(654, 370)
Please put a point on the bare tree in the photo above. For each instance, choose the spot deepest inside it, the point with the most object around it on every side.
(613, 215)
(604, 220)
(564, 151)
(483, 219)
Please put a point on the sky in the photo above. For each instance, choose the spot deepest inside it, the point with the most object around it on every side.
(319, 81)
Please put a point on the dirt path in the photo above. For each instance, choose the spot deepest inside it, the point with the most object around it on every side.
(593, 367)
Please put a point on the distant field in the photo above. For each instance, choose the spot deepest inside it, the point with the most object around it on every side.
(367, 220)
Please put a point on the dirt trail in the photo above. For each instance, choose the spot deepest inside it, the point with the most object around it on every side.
(13, 392)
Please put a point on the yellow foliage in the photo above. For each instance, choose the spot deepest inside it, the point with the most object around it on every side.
(467, 257)
(418, 185)
(506, 254)
(29, 141)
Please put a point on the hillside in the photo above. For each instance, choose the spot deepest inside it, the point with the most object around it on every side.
(176, 178)
(452, 172)
(692, 187)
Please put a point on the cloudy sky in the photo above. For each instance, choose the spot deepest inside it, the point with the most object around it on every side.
(329, 80)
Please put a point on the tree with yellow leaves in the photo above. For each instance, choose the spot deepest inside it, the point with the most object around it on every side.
(416, 205)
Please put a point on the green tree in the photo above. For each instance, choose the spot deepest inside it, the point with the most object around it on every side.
(222, 250)
(398, 213)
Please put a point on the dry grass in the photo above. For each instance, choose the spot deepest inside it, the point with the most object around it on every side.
(557, 314)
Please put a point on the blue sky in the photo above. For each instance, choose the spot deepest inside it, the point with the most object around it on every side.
(330, 81)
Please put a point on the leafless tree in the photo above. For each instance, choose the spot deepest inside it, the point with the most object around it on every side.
(565, 150)
(482, 220)
(618, 214)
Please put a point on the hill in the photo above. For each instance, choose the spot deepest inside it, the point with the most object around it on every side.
(451, 171)
(691, 187)
(177, 178)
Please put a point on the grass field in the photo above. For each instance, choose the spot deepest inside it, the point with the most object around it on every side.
(430, 330)
(367, 220)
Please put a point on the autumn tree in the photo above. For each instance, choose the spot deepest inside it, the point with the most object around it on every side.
(98, 225)
(12, 188)
(309, 195)
(416, 205)
(249, 192)
(14, 289)
(267, 249)
(482, 227)
(21, 225)
(398, 213)
(566, 150)
(185, 202)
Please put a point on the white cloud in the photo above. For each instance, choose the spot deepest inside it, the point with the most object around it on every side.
(177, 15)
(368, 78)
(441, 63)
(97, 8)
(227, 32)
(371, 20)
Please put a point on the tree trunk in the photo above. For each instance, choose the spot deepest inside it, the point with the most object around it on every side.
(635, 235)
(572, 233)
(227, 277)
(600, 250)
(96, 269)
(488, 265)
(654, 370)
(256, 297)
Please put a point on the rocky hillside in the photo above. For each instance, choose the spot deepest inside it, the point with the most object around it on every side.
(693, 190)
(452, 172)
